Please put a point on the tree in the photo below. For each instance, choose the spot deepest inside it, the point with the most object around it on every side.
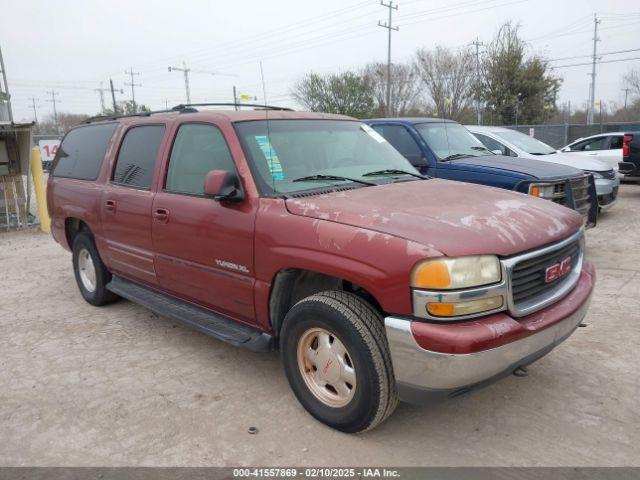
(47, 126)
(449, 78)
(347, 93)
(632, 82)
(514, 88)
(406, 88)
(127, 108)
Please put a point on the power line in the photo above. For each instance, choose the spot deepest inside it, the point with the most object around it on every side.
(600, 54)
(133, 85)
(602, 61)
(389, 26)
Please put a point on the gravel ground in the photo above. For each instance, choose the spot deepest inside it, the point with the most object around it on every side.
(118, 385)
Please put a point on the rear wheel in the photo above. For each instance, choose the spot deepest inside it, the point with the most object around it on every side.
(337, 361)
(91, 274)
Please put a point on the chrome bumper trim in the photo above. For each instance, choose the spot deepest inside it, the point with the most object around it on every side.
(423, 369)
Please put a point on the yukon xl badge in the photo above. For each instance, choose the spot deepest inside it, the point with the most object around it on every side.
(558, 270)
(231, 266)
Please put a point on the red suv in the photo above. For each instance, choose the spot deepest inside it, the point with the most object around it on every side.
(309, 233)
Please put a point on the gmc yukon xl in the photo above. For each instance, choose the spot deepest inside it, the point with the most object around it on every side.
(309, 233)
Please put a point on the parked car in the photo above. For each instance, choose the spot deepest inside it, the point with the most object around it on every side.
(445, 149)
(604, 146)
(630, 164)
(504, 141)
(309, 233)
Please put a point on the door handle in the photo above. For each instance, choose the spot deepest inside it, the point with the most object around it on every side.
(161, 215)
(110, 205)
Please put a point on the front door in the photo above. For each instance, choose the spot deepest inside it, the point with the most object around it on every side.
(126, 205)
(203, 248)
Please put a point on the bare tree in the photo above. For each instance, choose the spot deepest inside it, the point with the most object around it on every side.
(632, 82)
(406, 88)
(449, 78)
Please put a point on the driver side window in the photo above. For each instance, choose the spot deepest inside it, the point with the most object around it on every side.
(599, 143)
(197, 149)
(492, 144)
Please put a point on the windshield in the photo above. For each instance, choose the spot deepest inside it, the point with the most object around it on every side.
(451, 140)
(526, 143)
(285, 155)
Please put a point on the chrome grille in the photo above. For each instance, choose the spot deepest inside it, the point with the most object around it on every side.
(528, 278)
(526, 274)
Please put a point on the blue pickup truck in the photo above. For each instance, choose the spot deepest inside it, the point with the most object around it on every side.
(445, 149)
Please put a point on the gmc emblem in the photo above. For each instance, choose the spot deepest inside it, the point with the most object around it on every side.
(558, 270)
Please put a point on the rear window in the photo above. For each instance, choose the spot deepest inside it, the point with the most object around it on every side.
(137, 157)
(82, 151)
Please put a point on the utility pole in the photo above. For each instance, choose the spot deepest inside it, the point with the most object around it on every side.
(626, 94)
(235, 99)
(6, 96)
(592, 93)
(113, 97)
(389, 26)
(133, 85)
(186, 71)
(53, 100)
(478, 44)
(33, 105)
(101, 92)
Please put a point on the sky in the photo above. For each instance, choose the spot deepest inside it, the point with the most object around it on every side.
(74, 47)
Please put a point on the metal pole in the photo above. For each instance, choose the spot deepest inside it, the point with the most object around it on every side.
(6, 87)
(235, 99)
(133, 85)
(53, 100)
(113, 97)
(478, 44)
(592, 93)
(626, 94)
(35, 112)
(389, 26)
(186, 82)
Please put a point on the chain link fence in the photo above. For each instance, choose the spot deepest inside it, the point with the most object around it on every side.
(560, 135)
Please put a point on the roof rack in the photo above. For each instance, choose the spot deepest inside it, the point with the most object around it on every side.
(183, 106)
(101, 118)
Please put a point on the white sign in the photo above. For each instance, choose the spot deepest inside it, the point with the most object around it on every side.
(48, 149)
(532, 132)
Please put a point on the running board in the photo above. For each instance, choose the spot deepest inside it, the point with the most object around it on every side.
(197, 318)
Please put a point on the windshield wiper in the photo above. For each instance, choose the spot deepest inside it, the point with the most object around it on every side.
(542, 153)
(394, 171)
(455, 156)
(312, 178)
(483, 149)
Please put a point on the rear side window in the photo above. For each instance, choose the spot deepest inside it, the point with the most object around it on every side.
(197, 150)
(137, 156)
(82, 151)
(616, 142)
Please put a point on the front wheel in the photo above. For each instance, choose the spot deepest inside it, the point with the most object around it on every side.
(337, 361)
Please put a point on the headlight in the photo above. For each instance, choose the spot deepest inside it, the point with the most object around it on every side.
(456, 273)
(596, 174)
(543, 190)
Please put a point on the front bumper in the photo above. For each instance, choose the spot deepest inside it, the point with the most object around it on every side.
(607, 191)
(467, 355)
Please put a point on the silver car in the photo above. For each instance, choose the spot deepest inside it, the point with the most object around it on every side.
(505, 141)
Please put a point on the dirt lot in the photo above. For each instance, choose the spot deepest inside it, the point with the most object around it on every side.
(119, 385)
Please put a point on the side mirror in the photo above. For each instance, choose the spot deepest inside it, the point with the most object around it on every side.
(223, 186)
(497, 151)
(418, 161)
(566, 149)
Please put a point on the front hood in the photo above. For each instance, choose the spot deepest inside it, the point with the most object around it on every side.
(582, 162)
(534, 168)
(451, 217)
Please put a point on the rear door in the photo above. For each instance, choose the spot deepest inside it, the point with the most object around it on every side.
(127, 201)
(204, 248)
(598, 147)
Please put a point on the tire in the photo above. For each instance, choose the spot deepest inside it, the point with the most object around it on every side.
(91, 274)
(357, 326)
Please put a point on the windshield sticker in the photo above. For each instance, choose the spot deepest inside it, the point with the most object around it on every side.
(275, 168)
(372, 133)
